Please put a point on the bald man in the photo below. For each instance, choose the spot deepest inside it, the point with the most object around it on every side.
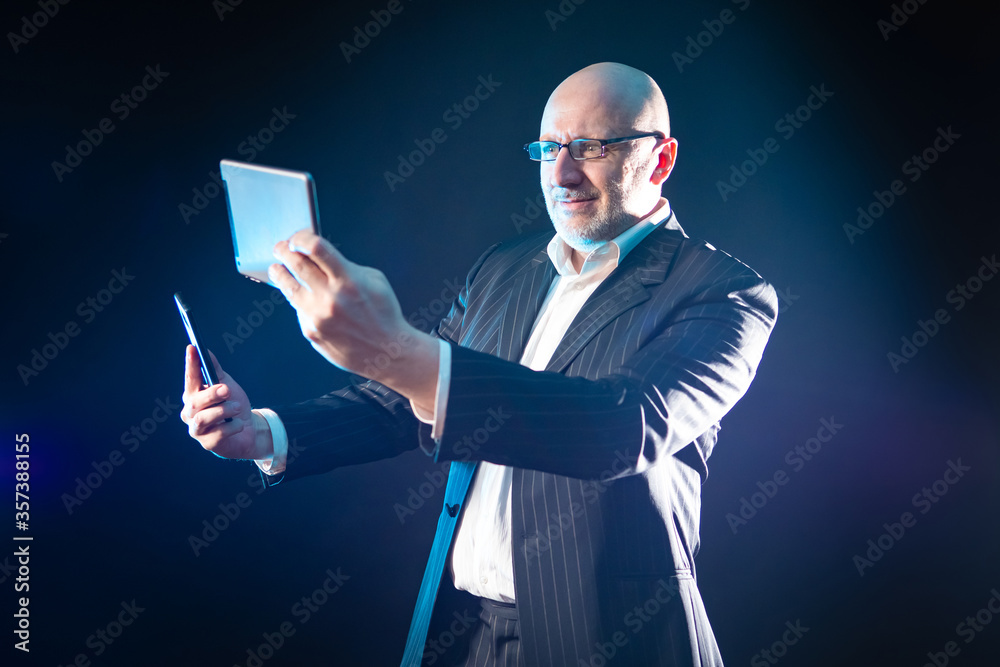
(576, 386)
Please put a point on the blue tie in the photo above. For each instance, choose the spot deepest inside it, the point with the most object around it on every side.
(459, 477)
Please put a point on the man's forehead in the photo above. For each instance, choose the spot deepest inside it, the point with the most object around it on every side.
(576, 120)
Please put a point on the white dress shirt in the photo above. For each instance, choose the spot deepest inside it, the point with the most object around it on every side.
(482, 558)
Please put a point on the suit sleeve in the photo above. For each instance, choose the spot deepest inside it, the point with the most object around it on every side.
(696, 362)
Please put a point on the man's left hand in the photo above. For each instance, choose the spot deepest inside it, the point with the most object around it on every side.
(351, 316)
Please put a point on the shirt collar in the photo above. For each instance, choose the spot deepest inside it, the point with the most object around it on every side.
(613, 251)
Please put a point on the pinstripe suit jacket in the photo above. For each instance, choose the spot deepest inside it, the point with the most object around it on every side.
(609, 444)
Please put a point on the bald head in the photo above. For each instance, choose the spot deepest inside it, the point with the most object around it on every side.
(620, 97)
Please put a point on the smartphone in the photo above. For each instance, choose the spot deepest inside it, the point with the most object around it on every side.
(207, 367)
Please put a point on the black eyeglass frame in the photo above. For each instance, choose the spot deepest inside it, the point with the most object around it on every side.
(603, 142)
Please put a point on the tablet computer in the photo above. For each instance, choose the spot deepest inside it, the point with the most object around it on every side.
(266, 205)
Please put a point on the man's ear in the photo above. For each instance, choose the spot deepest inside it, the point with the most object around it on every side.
(666, 157)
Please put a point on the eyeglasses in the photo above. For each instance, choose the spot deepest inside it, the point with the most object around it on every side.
(579, 149)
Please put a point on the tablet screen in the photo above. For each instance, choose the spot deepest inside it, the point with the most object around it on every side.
(266, 205)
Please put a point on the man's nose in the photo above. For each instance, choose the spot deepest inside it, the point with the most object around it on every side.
(566, 171)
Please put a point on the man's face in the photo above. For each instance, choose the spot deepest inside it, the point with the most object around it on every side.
(593, 201)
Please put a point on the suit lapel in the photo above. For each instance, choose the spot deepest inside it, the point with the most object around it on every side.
(624, 289)
(526, 297)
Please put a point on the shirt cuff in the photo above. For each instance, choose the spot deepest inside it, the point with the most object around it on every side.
(436, 420)
(274, 464)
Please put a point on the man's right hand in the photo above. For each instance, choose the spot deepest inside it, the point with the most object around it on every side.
(206, 409)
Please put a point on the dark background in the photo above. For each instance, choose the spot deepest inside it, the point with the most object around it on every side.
(845, 306)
